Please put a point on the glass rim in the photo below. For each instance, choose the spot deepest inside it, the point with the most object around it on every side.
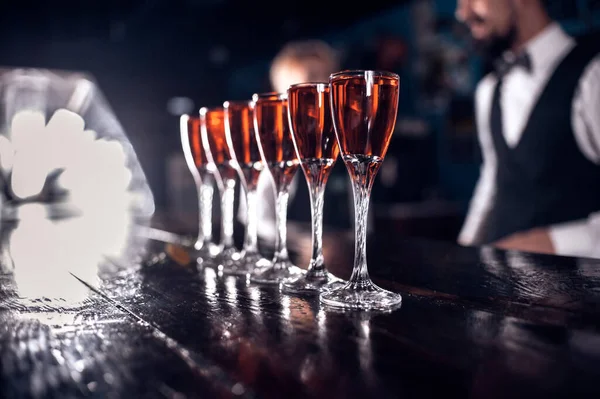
(309, 84)
(205, 110)
(266, 95)
(189, 116)
(361, 72)
(243, 103)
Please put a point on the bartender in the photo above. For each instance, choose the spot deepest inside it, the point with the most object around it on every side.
(538, 124)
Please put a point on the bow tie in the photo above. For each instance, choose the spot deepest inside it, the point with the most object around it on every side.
(506, 63)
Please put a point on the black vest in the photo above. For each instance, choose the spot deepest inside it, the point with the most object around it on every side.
(545, 179)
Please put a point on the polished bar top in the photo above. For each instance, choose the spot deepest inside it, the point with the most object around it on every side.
(475, 322)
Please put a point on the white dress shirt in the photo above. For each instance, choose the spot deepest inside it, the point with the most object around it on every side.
(520, 92)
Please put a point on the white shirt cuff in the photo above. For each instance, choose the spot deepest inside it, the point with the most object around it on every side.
(573, 239)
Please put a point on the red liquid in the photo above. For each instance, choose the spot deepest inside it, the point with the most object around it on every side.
(195, 142)
(364, 114)
(274, 137)
(213, 124)
(241, 140)
(312, 129)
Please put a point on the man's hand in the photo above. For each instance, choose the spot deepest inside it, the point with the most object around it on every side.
(535, 240)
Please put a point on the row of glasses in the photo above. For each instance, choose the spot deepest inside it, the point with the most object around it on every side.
(248, 137)
(353, 114)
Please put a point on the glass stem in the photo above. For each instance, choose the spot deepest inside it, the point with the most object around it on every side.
(251, 238)
(205, 197)
(227, 213)
(281, 254)
(317, 263)
(362, 182)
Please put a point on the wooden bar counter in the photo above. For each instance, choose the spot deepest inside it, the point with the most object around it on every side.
(475, 323)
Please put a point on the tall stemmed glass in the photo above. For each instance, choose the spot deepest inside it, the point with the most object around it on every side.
(364, 108)
(244, 151)
(212, 123)
(277, 151)
(204, 178)
(317, 148)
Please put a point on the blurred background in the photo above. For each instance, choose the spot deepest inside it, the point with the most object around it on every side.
(157, 59)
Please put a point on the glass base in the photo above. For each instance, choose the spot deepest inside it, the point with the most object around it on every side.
(275, 274)
(312, 283)
(227, 259)
(210, 248)
(247, 264)
(205, 255)
(205, 262)
(361, 296)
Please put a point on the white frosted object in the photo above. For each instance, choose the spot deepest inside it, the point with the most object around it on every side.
(56, 123)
